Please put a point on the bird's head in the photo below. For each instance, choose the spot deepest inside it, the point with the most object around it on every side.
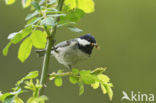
(86, 43)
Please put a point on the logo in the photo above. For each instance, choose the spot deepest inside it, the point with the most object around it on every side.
(137, 97)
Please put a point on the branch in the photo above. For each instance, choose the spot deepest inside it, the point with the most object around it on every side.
(50, 44)
(96, 71)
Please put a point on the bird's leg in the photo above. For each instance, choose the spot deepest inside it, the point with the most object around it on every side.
(54, 48)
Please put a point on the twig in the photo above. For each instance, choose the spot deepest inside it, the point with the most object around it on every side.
(50, 44)
(97, 71)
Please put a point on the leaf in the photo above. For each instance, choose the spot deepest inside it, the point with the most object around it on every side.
(5, 50)
(26, 3)
(56, 15)
(36, 5)
(41, 2)
(20, 35)
(73, 79)
(103, 78)
(9, 2)
(29, 85)
(31, 100)
(71, 16)
(75, 71)
(58, 81)
(87, 78)
(29, 16)
(75, 29)
(9, 99)
(109, 91)
(103, 89)
(33, 21)
(86, 5)
(32, 75)
(4, 96)
(52, 2)
(60, 71)
(38, 39)
(40, 99)
(48, 21)
(95, 85)
(81, 89)
(98, 71)
(12, 35)
(25, 49)
(18, 100)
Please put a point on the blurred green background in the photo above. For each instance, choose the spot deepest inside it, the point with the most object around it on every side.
(126, 33)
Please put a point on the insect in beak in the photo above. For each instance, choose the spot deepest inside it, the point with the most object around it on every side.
(95, 45)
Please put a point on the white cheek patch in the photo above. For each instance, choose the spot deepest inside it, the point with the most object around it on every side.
(83, 42)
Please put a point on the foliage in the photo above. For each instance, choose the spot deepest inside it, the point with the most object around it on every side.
(46, 17)
(27, 81)
(94, 78)
(34, 35)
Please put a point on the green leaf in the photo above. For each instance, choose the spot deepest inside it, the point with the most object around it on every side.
(48, 21)
(87, 78)
(5, 50)
(98, 70)
(58, 81)
(75, 71)
(33, 21)
(38, 39)
(109, 91)
(31, 100)
(32, 75)
(9, 2)
(86, 5)
(73, 79)
(71, 16)
(36, 5)
(95, 85)
(40, 99)
(81, 89)
(29, 16)
(9, 99)
(4, 96)
(60, 71)
(75, 29)
(25, 49)
(18, 100)
(52, 2)
(103, 89)
(103, 78)
(56, 15)
(26, 3)
(17, 37)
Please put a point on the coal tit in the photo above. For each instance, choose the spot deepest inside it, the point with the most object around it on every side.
(71, 52)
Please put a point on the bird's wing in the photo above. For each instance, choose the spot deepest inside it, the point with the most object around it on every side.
(64, 43)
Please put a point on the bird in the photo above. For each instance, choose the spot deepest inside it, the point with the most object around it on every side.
(70, 52)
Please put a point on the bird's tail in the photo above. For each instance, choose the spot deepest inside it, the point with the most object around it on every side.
(40, 52)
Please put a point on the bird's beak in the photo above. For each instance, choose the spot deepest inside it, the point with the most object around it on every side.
(95, 45)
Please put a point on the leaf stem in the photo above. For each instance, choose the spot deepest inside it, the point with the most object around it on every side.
(50, 44)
